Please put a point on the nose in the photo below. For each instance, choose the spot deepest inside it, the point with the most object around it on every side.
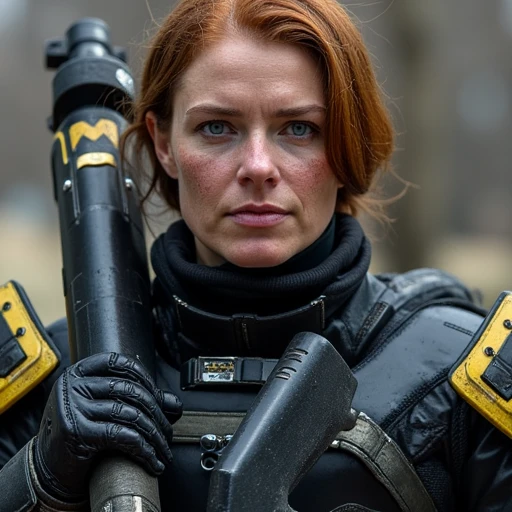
(258, 165)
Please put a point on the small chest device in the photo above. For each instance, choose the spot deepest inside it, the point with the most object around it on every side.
(221, 371)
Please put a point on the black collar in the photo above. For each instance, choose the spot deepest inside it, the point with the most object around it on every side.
(220, 309)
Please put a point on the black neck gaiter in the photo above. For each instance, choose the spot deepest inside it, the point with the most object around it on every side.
(227, 289)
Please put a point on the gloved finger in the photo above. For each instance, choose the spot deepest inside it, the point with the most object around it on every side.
(109, 411)
(101, 388)
(127, 441)
(111, 364)
(170, 404)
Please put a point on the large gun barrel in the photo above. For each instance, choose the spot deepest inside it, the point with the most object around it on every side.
(297, 414)
(105, 271)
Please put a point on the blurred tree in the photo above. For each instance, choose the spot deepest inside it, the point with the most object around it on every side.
(422, 154)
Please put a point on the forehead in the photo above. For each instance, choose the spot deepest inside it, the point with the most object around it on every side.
(244, 67)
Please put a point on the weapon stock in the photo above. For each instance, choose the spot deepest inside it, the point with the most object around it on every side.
(297, 414)
(105, 272)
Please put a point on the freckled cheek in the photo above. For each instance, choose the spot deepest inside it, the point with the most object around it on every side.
(316, 178)
(198, 177)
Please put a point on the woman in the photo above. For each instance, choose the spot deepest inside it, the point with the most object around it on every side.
(265, 129)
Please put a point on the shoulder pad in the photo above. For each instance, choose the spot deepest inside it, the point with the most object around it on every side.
(27, 353)
(483, 374)
(412, 360)
(424, 284)
(398, 297)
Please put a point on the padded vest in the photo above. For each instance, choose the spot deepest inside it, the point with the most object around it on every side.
(406, 332)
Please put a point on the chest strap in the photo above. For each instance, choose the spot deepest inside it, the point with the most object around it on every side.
(366, 441)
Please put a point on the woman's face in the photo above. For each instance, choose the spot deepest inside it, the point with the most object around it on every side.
(246, 144)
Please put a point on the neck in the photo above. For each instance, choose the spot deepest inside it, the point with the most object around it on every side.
(308, 258)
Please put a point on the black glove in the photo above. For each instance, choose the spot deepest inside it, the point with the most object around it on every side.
(106, 402)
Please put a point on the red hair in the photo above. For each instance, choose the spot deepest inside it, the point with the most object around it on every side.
(358, 134)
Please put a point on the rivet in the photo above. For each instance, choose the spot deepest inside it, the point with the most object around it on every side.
(489, 351)
(67, 185)
(209, 442)
(6, 306)
(508, 324)
(21, 331)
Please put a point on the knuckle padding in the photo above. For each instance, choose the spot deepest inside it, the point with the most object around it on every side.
(113, 412)
(131, 442)
(125, 412)
(134, 394)
(113, 364)
(125, 388)
(122, 436)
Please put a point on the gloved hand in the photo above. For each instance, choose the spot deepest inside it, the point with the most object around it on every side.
(106, 402)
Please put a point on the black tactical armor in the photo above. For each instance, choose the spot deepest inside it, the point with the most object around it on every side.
(401, 334)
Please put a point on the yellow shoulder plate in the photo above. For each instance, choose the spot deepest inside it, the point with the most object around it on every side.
(483, 374)
(27, 354)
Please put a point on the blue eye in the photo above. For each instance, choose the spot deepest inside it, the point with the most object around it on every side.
(214, 128)
(300, 129)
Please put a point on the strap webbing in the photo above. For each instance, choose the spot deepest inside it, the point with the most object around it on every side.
(194, 424)
(383, 457)
(366, 441)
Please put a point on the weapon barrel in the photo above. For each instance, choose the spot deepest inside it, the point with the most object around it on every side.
(297, 414)
(105, 271)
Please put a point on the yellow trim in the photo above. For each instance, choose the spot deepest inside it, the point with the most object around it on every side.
(60, 137)
(95, 160)
(467, 381)
(102, 127)
(41, 359)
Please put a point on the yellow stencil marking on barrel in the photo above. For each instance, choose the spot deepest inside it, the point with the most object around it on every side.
(41, 359)
(102, 127)
(467, 380)
(60, 137)
(95, 160)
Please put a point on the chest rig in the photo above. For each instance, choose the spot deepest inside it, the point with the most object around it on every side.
(411, 336)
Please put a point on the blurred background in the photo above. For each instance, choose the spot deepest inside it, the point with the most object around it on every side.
(444, 66)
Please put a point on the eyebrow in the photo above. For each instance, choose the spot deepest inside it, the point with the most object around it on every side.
(208, 108)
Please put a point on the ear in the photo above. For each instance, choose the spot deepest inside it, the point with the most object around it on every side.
(162, 145)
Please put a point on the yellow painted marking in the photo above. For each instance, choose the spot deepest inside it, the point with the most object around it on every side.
(95, 160)
(467, 381)
(60, 137)
(102, 127)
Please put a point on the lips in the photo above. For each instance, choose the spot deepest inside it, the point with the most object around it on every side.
(254, 215)
(261, 208)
